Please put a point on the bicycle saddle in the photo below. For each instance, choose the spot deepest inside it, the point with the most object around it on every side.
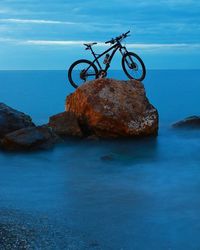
(89, 44)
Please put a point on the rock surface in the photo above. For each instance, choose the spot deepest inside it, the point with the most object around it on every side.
(30, 138)
(189, 122)
(65, 124)
(12, 120)
(110, 108)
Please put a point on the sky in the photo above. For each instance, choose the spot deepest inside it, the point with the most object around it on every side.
(49, 34)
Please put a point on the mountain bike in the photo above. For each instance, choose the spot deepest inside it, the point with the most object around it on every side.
(84, 70)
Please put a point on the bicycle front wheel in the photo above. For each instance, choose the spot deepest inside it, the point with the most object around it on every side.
(133, 66)
(82, 71)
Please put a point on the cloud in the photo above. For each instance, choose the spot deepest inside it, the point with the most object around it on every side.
(131, 45)
(41, 21)
(67, 43)
(163, 46)
(86, 26)
(175, 3)
(34, 21)
(5, 10)
(57, 43)
(57, 29)
(2, 11)
(179, 2)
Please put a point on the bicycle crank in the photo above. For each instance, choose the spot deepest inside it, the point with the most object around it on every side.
(102, 74)
(83, 75)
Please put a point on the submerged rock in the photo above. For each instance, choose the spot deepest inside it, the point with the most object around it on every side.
(12, 120)
(30, 138)
(107, 158)
(189, 122)
(65, 124)
(111, 108)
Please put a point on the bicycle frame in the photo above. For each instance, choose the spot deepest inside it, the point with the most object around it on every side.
(131, 63)
(114, 49)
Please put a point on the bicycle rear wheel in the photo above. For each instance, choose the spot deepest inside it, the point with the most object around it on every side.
(82, 71)
(133, 66)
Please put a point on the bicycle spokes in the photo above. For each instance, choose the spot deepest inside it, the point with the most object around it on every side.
(82, 73)
(133, 67)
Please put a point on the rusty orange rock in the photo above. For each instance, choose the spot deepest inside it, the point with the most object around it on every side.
(112, 108)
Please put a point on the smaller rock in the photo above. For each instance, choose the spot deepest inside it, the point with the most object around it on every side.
(12, 120)
(189, 122)
(65, 124)
(107, 158)
(32, 138)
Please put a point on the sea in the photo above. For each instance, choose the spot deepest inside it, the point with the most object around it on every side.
(111, 194)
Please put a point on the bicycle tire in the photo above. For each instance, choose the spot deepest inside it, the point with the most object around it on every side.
(124, 63)
(72, 82)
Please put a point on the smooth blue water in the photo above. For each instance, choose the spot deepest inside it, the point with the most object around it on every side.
(139, 195)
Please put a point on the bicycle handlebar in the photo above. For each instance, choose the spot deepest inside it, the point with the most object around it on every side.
(118, 38)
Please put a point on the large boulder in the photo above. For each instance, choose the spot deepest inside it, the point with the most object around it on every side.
(12, 120)
(31, 138)
(111, 108)
(189, 122)
(65, 124)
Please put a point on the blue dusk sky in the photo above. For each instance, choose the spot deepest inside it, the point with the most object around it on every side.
(48, 34)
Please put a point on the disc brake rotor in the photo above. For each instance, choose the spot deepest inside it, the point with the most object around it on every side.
(133, 66)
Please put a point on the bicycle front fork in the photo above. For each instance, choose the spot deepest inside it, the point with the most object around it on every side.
(123, 50)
